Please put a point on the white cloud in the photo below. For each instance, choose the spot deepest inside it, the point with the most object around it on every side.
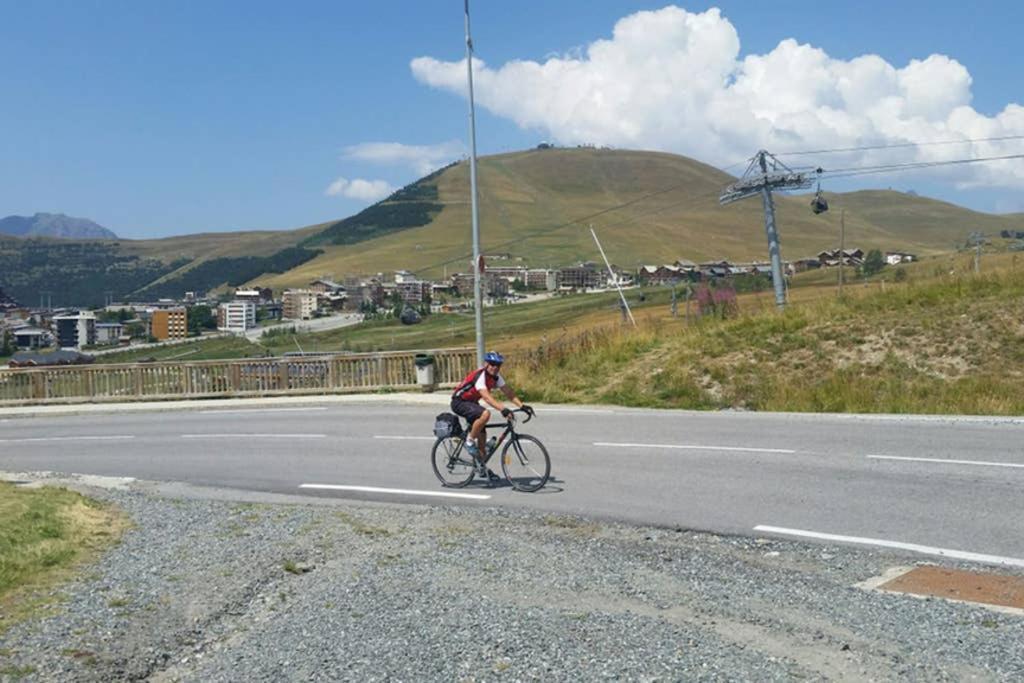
(421, 158)
(360, 189)
(674, 80)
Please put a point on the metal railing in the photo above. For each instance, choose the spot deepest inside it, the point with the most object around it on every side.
(351, 373)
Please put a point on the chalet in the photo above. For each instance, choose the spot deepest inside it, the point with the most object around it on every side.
(802, 264)
(659, 275)
(326, 286)
(850, 257)
(7, 303)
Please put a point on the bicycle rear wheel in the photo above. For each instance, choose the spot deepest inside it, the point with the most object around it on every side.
(452, 463)
(525, 462)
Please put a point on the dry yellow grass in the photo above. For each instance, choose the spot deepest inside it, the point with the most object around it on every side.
(943, 343)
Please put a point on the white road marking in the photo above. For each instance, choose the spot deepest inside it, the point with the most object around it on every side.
(406, 438)
(913, 547)
(943, 461)
(249, 435)
(401, 492)
(66, 438)
(259, 410)
(693, 447)
(591, 411)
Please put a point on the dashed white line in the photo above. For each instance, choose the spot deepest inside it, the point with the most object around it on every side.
(692, 447)
(260, 410)
(584, 411)
(945, 461)
(250, 435)
(899, 545)
(399, 492)
(405, 438)
(38, 439)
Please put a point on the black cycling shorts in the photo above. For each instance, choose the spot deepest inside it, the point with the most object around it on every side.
(471, 410)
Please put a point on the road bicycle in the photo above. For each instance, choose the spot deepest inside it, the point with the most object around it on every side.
(524, 460)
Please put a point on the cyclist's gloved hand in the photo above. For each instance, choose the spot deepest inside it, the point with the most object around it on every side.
(505, 412)
(528, 410)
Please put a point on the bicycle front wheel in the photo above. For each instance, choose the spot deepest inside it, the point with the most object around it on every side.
(452, 463)
(525, 462)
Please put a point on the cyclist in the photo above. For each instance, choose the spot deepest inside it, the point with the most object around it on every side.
(466, 402)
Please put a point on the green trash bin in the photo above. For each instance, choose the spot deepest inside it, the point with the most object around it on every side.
(425, 371)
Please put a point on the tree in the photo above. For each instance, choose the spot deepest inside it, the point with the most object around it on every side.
(7, 347)
(200, 318)
(873, 263)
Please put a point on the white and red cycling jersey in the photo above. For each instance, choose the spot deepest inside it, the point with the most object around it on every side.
(469, 389)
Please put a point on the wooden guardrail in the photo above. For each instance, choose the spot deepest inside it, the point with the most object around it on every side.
(350, 373)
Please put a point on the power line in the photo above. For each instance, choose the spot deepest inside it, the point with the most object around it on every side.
(901, 144)
(866, 170)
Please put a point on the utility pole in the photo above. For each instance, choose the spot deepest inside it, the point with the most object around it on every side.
(763, 174)
(477, 261)
(842, 248)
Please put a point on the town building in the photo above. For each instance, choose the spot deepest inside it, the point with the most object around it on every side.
(851, 257)
(236, 316)
(583, 276)
(169, 323)
(109, 333)
(298, 304)
(7, 304)
(893, 258)
(31, 338)
(75, 330)
(326, 286)
(361, 294)
(542, 278)
(414, 292)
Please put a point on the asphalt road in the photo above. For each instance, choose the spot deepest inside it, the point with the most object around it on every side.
(939, 486)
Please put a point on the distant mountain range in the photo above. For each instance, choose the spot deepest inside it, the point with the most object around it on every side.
(54, 225)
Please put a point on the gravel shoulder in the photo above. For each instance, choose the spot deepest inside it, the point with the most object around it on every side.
(206, 588)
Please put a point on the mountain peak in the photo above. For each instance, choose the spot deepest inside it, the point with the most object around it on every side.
(54, 225)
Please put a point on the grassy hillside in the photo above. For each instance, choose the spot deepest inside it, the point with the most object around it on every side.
(647, 207)
(535, 206)
(939, 343)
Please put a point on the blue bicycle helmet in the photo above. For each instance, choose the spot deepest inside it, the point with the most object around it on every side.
(494, 357)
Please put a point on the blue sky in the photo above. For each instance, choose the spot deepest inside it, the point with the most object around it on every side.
(160, 118)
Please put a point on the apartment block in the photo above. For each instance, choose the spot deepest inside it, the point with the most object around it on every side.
(236, 316)
(75, 330)
(299, 304)
(171, 323)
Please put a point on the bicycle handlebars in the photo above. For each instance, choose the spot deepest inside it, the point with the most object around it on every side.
(529, 414)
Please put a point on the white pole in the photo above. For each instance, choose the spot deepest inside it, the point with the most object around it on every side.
(477, 299)
(612, 276)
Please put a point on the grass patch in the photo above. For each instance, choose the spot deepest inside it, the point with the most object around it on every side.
(45, 533)
(946, 344)
(217, 348)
